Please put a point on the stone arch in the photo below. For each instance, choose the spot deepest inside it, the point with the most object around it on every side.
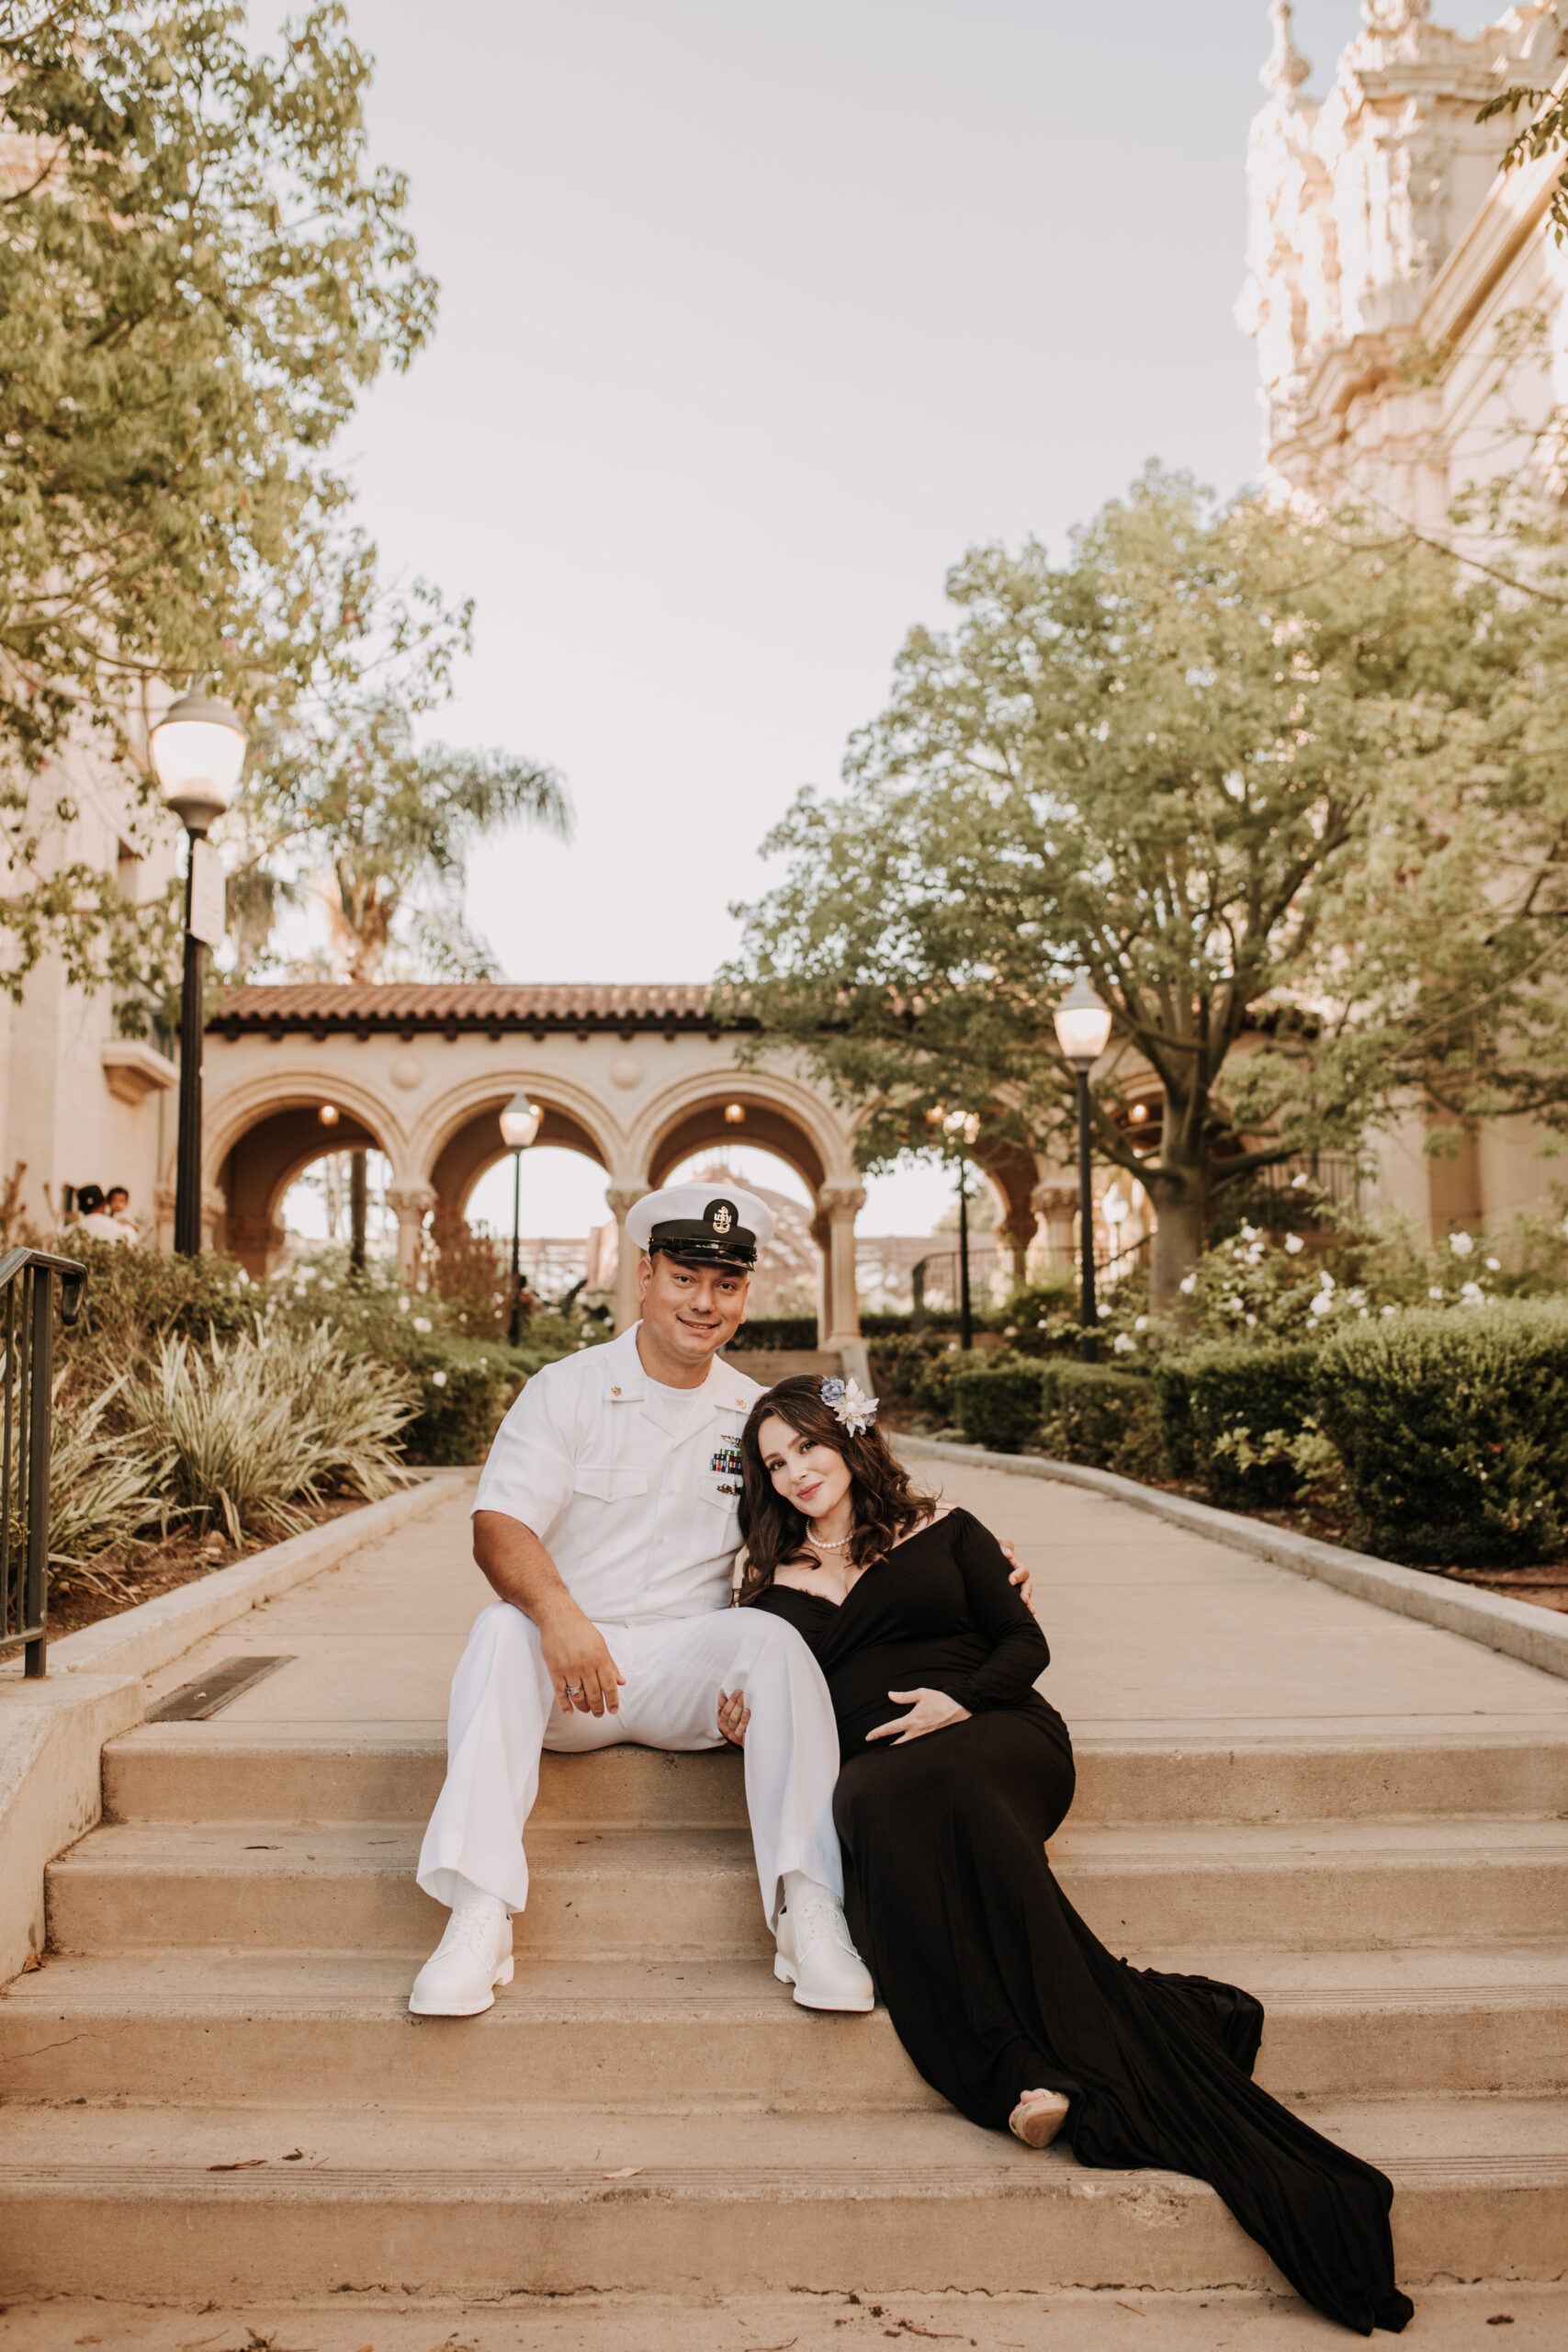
(262, 1137)
(459, 1139)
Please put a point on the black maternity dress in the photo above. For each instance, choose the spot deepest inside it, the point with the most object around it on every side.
(993, 1982)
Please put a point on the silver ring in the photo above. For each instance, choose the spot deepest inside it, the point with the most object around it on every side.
(572, 1690)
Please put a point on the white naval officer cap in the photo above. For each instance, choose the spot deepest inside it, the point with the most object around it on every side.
(702, 1225)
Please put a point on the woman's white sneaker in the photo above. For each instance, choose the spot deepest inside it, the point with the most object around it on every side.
(817, 1956)
(473, 1956)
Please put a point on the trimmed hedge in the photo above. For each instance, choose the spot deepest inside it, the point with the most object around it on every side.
(1453, 1429)
(999, 1408)
(464, 1389)
(779, 1331)
(1232, 1412)
(1107, 1418)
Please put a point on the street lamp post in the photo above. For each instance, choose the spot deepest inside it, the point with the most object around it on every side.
(198, 749)
(519, 1125)
(1083, 1024)
(962, 1127)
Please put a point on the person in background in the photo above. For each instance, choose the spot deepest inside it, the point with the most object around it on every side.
(93, 1217)
(118, 1207)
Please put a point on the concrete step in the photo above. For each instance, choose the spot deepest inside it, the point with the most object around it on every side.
(238, 1770)
(213, 2027)
(671, 1893)
(142, 2204)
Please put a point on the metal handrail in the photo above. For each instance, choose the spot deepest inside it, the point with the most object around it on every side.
(26, 1416)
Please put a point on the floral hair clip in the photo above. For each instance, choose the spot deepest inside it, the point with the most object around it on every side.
(850, 1405)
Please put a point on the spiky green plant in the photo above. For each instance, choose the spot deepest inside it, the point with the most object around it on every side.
(104, 1484)
(255, 1426)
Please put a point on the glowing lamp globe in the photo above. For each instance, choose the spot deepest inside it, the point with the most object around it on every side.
(520, 1123)
(1083, 1024)
(198, 750)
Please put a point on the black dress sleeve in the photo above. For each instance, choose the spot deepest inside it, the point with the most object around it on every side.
(1020, 1651)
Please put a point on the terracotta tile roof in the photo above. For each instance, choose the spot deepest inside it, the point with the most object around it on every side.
(461, 1004)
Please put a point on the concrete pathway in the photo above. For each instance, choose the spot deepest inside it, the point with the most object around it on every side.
(1151, 1632)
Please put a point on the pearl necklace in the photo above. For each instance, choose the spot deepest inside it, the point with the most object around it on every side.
(822, 1543)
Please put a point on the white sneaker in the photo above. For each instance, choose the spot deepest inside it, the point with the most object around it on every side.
(459, 1978)
(817, 1956)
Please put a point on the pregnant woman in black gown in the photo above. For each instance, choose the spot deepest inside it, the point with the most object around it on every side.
(955, 1773)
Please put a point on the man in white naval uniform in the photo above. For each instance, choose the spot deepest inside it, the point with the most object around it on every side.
(624, 1460)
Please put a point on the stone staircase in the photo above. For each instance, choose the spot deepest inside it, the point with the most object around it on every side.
(214, 2087)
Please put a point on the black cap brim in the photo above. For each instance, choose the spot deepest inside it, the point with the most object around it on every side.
(739, 1252)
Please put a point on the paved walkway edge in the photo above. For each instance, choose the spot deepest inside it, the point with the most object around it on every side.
(143, 1640)
(1518, 1628)
(53, 1732)
(52, 1738)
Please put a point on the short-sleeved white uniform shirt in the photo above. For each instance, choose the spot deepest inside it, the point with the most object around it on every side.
(633, 1489)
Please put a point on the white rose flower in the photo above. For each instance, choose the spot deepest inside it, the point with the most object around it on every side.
(1249, 1233)
(439, 1380)
(1325, 1282)
(1323, 1303)
(1473, 1295)
(422, 1323)
(1460, 1244)
(1390, 1310)
(1187, 1285)
(1435, 1292)
(1252, 1322)
(1297, 1183)
(1493, 1265)
(403, 1306)
(1294, 1244)
(1124, 1343)
(1141, 1324)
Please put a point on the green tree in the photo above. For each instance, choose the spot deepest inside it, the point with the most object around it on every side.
(200, 273)
(1234, 768)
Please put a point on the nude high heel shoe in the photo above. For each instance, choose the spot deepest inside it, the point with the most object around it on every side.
(1038, 2117)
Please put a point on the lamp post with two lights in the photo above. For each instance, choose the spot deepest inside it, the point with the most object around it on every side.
(198, 750)
(1083, 1026)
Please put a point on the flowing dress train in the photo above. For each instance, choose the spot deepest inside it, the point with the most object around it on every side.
(993, 1982)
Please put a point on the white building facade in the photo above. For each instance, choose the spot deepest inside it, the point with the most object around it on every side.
(1410, 305)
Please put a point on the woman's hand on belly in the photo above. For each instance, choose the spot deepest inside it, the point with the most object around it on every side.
(929, 1711)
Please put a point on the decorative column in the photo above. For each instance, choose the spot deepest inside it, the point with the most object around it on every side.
(840, 1205)
(623, 1199)
(1058, 1205)
(411, 1203)
(1019, 1234)
(214, 1215)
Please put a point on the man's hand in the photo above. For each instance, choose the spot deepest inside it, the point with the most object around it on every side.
(734, 1716)
(1021, 1575)
(585, 1676)
(929, 1711)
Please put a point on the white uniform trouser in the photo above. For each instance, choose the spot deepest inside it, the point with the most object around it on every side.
(503, 1711)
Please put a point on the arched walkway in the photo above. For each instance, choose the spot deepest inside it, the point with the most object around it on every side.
(637, 1080)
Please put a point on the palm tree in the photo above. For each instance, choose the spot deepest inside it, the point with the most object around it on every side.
(384, 828)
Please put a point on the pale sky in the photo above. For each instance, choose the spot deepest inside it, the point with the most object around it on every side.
(752, 318)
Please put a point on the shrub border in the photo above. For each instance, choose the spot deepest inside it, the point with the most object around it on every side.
(1518, 1629)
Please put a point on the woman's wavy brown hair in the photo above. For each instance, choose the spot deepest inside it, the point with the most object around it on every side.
(885, 1505)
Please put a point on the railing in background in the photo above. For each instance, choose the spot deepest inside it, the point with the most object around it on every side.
(1114, 1263)
(26, 1416)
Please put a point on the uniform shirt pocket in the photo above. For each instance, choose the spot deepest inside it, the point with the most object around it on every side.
(612, 1483)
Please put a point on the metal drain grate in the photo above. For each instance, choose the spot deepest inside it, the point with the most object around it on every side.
(194, 1702)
